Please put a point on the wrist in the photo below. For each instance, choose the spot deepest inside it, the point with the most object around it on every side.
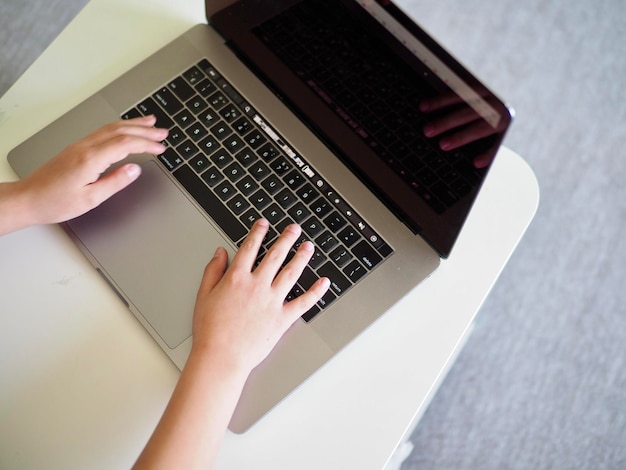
(217, 359)
(15, 207)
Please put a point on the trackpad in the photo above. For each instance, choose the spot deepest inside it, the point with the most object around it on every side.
(153, 244)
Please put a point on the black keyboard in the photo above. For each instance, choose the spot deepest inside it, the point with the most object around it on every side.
(239, 169)
(372, 91)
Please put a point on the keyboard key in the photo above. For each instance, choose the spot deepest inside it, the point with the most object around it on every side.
(199, 163)
(299, 212)
(307, 193)
(341, 256)
(294, 293)
(311, 313)
(218, 100)
(247, 185)
(181, 89)
(184, 119)
(230, 113)
(208, 117)
(294, 179)
(149, 106)
(255, 139)
(259, 171)
(250, 217)
(205, 87)
(221, 158)
(225, 190)
(166, 99)
(307, 279)
(260, 199)
(273, 214)
(366, 254)
(286, 198)
(281, 166)
(338, 282)
(272, 184)
(209, 145)
(321, 207)
(197, 105)
(175, 136)
(196, 131)
(317, 259)
(327, 299)
(267, 152)
(335, 222)
(234, 172)
(238, 204)
(242, 126)
(234, 144)
(349, 236)
(246, 157)
(187, 149)
(221, 130)
(212, 176)
(313, 227)
(170, 159)
(326, 241)
(131, 114)
(354, 271)
(194, 75)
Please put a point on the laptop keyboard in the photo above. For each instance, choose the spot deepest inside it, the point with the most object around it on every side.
(239, 169)
(372, 91)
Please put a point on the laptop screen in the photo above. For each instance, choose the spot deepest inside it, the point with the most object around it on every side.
(410, 121)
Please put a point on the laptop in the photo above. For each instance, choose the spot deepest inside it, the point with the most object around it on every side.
(343, 116)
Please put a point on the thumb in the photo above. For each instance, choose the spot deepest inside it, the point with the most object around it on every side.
(115, 181)
(214, 270)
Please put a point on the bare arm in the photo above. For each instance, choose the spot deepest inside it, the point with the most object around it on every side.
(240, 315)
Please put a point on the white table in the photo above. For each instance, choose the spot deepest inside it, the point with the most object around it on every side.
(83, 385)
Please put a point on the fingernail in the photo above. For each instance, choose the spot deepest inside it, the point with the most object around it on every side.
(294, 228)
(445, 144)
(429, 130)
(218, 251)
(133, 171)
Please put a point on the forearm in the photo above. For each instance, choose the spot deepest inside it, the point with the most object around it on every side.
(15, 213)
(193, 425)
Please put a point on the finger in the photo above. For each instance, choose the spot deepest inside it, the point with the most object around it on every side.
(449, 121)
(249, 249)
(300, 305)
(292, 271)
(214, 270)
(438, 102)
(276, 256)
(483, 160)
(111, 183)
(140, 127)
(119, 148)
(473, 132)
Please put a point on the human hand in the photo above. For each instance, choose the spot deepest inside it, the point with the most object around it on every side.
(240, 312)
(73, 183)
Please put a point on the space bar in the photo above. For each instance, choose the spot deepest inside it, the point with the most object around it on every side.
(210, 203)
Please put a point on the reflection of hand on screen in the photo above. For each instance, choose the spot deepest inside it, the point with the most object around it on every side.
(456, 124)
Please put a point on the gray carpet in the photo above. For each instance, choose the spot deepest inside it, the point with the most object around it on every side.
(542, 381)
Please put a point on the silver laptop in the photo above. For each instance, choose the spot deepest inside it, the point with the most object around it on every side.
(340, 115)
